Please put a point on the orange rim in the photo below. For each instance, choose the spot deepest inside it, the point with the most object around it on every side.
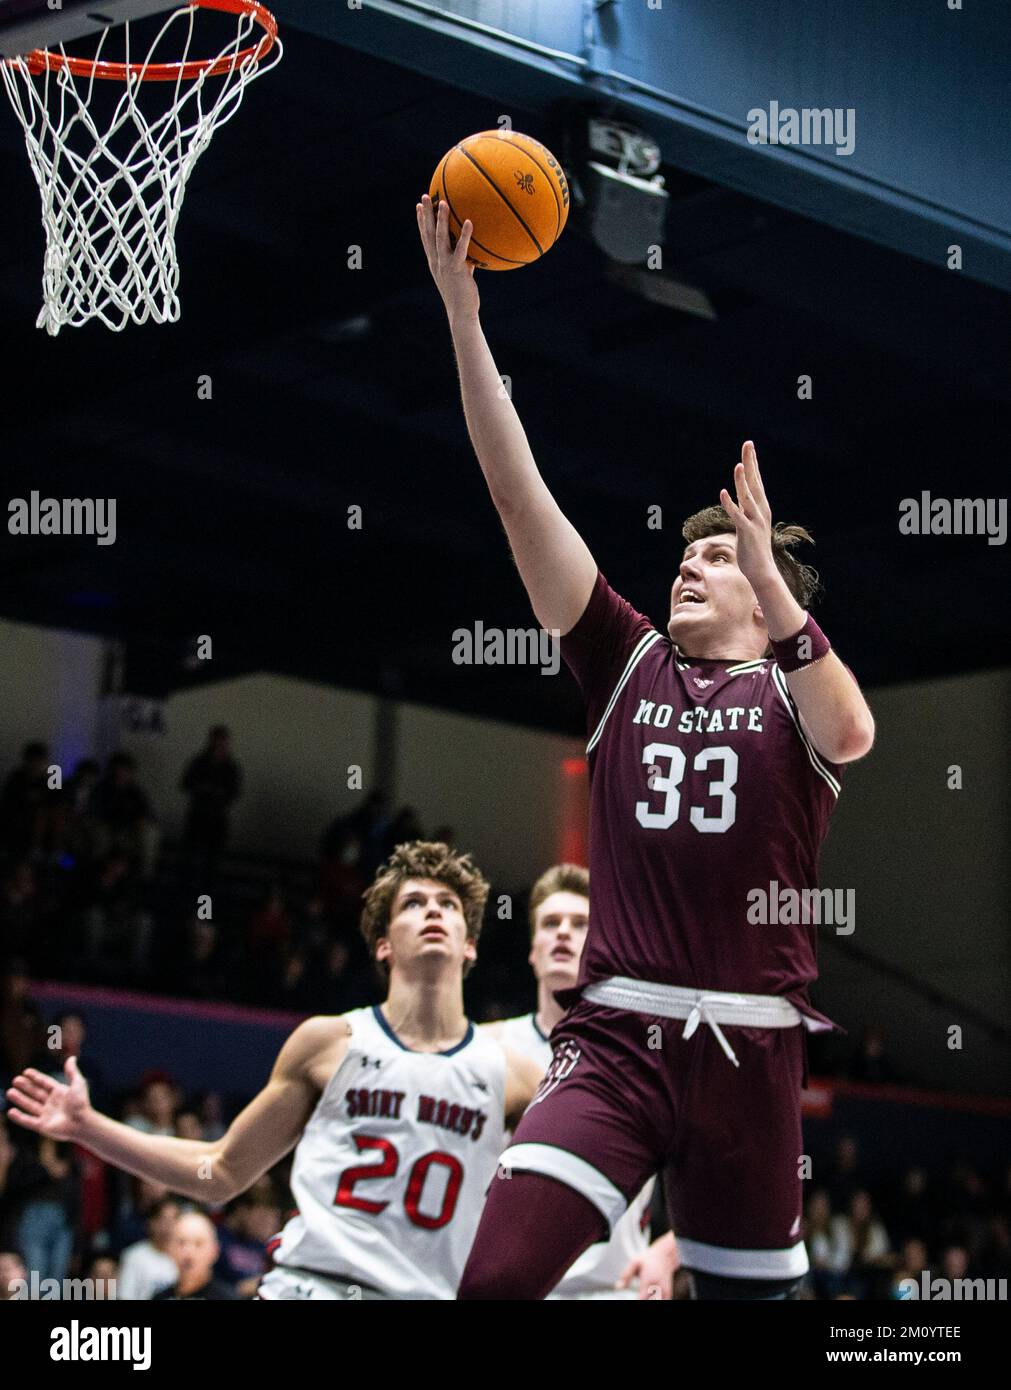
(41, 59)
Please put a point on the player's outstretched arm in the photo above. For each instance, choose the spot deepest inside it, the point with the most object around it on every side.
(554, 562)
(207, 1172)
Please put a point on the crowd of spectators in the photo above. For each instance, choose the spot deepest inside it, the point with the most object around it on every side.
(865, 1238)
(89, 892)
(64, 1214)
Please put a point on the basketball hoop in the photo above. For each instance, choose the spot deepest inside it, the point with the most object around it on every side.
(112, 188)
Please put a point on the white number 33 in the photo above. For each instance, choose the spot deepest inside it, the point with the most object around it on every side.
(669, 784)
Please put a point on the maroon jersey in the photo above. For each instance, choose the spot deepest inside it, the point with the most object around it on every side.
(703, 788)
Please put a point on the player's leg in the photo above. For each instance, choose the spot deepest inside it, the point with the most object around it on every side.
(734, 1188)
(532, 1229)
(589, 1140)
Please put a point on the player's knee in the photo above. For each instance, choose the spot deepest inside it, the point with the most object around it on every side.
(720, 1287)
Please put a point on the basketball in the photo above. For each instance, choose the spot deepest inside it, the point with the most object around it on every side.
(514, 192)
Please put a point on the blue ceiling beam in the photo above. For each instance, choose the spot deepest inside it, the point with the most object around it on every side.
(926, 87)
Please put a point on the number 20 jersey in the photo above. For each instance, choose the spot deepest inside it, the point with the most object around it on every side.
(392, 1170)
(706, 800)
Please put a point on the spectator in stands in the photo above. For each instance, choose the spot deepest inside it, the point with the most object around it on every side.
(137, 1199)
(65, 1038)
(148, 1266)
(103, 1271)
(270, 932)
(212, 781)
(118, 927)
(19, 911)
(195, 1249)
(188, 1125)
(995, 1255)
(967, 1206)
(7, 1152)
(156, 1111)
(69, 1032)
(843, 1179)
(198, 972)
(823, 1277)
(25, 804)
(346, 983)
(869, 1063)
(913, 1260)
(295, 988)
(248, 1225)
(81, 831)
(12, 1269)
(212, 1115)
(954, 1263)
(22, 1040)
(368, 824)
(313, 927)
(42, 1186)
(271, 926)
(125, 819)
(404, 826)
(860, 1247)
(912, 1211)
(341, 881)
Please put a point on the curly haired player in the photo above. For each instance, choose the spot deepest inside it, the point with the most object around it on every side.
(397, 1111)
(715, 752)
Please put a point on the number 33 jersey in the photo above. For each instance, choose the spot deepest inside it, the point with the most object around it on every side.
(708, 808)
(391, 1172)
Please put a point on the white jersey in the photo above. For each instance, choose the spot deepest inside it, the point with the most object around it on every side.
(391, 1172)
(600, 1267)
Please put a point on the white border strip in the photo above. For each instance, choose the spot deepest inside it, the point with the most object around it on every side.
(780, 682)
(789, 1263)
(572, 1170)
(641, 648)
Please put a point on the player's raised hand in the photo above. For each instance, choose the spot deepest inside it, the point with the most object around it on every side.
(752, 517)
(40, 1103)
(452, 272)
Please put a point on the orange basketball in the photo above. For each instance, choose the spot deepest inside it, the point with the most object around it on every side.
(512, 189)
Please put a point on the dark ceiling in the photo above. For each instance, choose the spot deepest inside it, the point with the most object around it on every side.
(334, 387)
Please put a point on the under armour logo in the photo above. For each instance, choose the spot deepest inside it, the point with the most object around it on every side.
(700, 682)
(481, 1085)
(372, 1062)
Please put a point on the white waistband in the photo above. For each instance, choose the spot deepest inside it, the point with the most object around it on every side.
(711, 1006)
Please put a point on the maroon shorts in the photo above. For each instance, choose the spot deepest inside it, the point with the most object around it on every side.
(627, 1096)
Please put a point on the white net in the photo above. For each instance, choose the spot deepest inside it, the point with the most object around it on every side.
(112, 178)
